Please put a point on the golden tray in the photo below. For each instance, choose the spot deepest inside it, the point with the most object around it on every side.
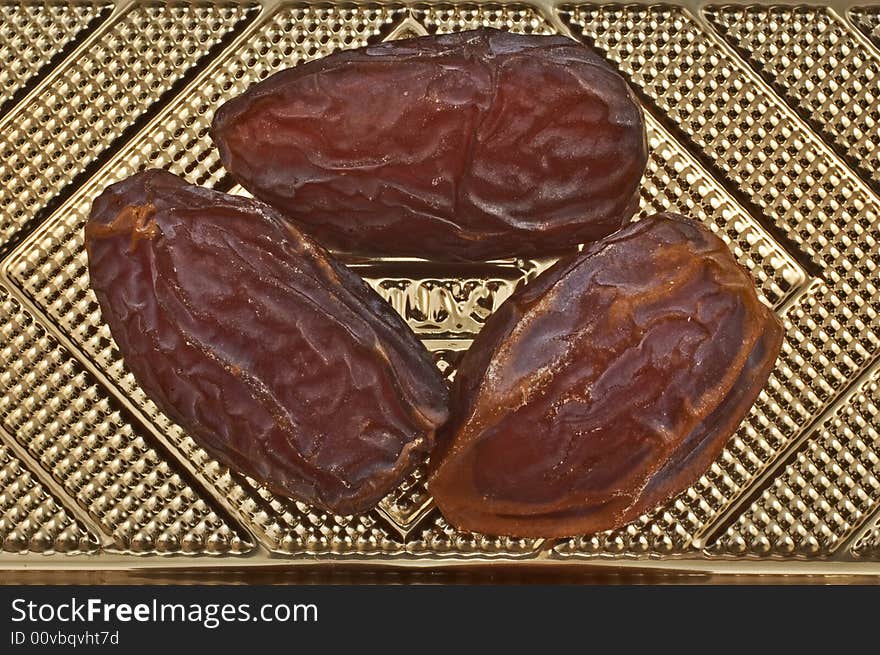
(762, 122)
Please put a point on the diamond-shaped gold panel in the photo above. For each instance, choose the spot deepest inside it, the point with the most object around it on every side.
(767, 134)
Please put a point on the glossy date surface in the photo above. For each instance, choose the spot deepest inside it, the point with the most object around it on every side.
(467, 146)
(274, 357)
(604, 387)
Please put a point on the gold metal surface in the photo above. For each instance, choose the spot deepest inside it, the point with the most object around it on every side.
(762, 122)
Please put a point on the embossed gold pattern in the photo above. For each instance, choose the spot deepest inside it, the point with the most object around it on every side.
(762, 122)
(92, 98)
(31, 519)
(31, 35)
(819, 67)
(816, 502)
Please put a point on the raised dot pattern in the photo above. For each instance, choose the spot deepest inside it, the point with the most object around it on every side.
(53, 408)
(54, 273)
(781, 168)
(92, 98)
(443, 18)
(824, 494)
(814, 61)
(180, 142)
(434, 537)
(749, 135)
(712, 98)
(31, 34)
(73, 308)
(673, 181)
(867, 19)
(31, 520)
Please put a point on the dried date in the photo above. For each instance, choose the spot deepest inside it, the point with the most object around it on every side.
(604, 387)
(275, 358)
(467, 146)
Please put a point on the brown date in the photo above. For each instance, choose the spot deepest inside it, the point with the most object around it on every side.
(604, 387)
(468, 146)
(275, 358)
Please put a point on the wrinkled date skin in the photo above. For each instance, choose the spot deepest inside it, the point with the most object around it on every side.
(604, 387)
(469, 146)
(275, 358)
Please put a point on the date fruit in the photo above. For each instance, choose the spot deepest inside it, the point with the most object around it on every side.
(467, 146)
(604, 387)
(275, 358)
